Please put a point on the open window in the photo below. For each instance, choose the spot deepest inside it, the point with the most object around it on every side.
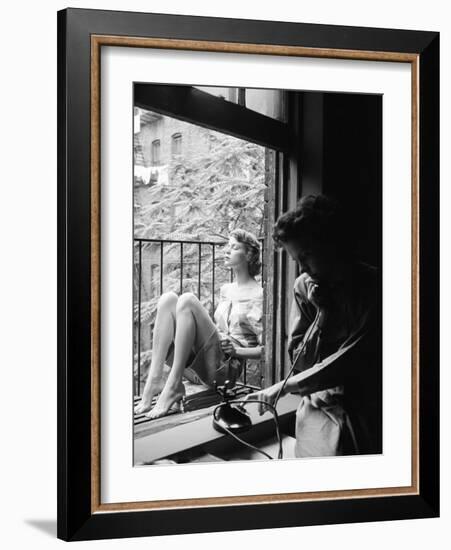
(232, 163)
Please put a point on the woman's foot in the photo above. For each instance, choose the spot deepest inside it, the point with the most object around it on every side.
(168, 399)
(151, 390)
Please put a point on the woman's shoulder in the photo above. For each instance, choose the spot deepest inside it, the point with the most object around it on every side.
(233, 291)
(256, 292)
(253, 295)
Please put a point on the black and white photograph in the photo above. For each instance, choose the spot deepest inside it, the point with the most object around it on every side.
(225, 297)
(257, 261)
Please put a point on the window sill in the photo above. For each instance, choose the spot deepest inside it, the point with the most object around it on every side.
(194, 430)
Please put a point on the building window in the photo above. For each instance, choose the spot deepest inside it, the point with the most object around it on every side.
(176, 146)
(155, 152)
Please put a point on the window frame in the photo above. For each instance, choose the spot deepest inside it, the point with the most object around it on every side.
(176, 143)
(153, 149)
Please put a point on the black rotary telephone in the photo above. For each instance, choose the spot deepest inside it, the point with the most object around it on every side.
(230, 417)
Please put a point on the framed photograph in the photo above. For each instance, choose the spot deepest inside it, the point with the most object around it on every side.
(248, 274)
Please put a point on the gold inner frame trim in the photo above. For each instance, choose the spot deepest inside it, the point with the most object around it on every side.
(97, 41)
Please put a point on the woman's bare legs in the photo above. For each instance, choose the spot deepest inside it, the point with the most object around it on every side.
(194, 326)
(163, 336)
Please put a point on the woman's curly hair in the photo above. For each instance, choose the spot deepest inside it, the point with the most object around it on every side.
(315, 222)
(252, 248)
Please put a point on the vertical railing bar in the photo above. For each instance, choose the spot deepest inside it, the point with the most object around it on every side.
(181, 268)
(198, 270)
(213, 279)
(139, 317)
(161, 268)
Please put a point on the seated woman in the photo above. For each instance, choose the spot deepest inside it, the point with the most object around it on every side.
(203, 351)
(335, 337)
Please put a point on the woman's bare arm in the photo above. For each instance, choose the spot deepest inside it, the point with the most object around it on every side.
(229, 348)
(249, 353)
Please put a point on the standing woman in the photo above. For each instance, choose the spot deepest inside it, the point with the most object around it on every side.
(200, 350)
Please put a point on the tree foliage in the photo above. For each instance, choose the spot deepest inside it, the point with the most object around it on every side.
(208, 195)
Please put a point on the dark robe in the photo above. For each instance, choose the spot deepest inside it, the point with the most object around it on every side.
(340, 366)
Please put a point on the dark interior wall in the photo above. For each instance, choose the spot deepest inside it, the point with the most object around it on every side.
(336, 149)
(352, 166)
(311, 157)
(341, 155)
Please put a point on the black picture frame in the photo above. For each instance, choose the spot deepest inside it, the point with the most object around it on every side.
(77, 517)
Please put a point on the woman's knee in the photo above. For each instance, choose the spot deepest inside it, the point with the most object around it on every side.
(187, 302)
(168, 299)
